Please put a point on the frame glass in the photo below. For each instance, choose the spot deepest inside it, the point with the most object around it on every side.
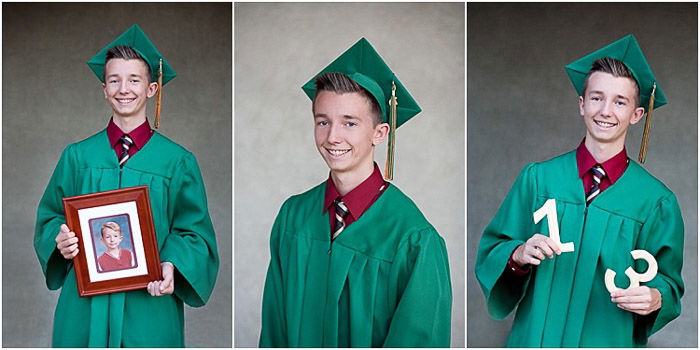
(116, 240)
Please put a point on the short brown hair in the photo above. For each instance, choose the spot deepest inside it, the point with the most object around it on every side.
(341, 84)
(614, 67)
(127, 53)
(112, 226)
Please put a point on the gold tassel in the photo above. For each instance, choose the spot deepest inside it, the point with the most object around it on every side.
(160, 92)
(393, 102)
(647, 125)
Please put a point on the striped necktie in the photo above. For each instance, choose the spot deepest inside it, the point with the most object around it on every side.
(126, 143)
(341, 212)
(598, 174)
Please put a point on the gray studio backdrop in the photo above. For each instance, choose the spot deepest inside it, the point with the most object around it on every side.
(278, 48)
(522, 108)
(51, 98)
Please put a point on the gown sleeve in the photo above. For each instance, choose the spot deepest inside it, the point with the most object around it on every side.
(191, 243)
(50, 216)
(512, 226)
(662, 236)
(422, 315)
(274, 325)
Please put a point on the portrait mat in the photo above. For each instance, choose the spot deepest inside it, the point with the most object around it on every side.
(128, 208)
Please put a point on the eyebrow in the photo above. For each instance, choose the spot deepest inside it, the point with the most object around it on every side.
(130, 75)
(345, 116)
(618, 95)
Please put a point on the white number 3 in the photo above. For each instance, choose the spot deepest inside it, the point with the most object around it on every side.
(549, 209)
(634, 277)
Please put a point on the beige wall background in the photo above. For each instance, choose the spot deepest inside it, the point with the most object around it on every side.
(278, 47)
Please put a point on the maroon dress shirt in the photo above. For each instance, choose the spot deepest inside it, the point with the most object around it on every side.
(358, 200)
(140, 136)
(613, 167)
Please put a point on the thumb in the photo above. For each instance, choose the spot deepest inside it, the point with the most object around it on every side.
(64, 228)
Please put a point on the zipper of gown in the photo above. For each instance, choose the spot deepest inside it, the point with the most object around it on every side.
(583, 227)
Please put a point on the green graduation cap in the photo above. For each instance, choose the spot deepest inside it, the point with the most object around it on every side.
(628, 51)
(364, 65)
(135, 38)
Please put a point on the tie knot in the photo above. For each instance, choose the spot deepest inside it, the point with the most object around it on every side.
(341, 207)
(598, 171)
(126, 140)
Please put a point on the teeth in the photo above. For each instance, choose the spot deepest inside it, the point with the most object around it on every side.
(337, 152)
(128, 100)
(605, 124)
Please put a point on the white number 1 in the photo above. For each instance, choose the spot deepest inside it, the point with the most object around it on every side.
(549, 209)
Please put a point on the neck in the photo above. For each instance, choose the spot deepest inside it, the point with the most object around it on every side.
(127, 124)
(346, 182)
(114, 252)
(603, 151)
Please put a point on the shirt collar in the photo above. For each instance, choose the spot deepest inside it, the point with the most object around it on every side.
(139, 135)
(360, 198)
(614, 167)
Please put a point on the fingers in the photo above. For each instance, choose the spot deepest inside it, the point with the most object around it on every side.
(553, 246)
(544, 248)
(153, 288)
(160, 288)
(641, 309)
(632, 299)
(72, 241)
(640, 300)
(539, 246)
(67, 242)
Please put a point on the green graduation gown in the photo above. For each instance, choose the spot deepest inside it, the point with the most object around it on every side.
(563, 302)
(185, 237)
(384, 281)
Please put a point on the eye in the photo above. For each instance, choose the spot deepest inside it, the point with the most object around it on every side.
(351, 124)
(621, 103)
(322, 123)
(595, 98)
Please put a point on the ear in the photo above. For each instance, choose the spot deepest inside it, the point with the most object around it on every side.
(152, 89)
(104, 90)
(381, 131)
(637, 115)
(580, 105)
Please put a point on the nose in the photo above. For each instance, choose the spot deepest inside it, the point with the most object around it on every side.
(606, 109)
(124, 87)
(334, 134)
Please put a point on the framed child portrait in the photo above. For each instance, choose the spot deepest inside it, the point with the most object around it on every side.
(116, 240)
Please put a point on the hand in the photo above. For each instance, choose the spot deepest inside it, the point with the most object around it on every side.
(67, 242)
(640, 300)
(167, 285)
(533, 251)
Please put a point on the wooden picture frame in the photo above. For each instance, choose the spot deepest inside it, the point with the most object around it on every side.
(117, 243)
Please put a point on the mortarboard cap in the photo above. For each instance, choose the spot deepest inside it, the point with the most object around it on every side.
(628, 51)
(364, 66)
(135, 38)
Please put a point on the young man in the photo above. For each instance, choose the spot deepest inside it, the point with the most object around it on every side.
(129, 153)
(354, 263)
(606, 206)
